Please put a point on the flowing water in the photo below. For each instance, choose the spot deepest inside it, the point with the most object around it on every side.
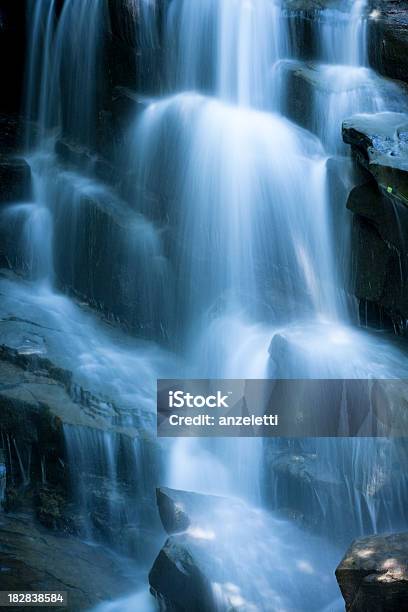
(240, 270)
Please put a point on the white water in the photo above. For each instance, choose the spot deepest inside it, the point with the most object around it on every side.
(256, 285)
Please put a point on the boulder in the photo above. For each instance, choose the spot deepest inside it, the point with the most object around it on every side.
(182, 574)
(172, 509)
(183, 510)
(178, 580)
(373, 575)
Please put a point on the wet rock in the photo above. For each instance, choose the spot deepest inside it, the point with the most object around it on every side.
(113, 245)
(183, 510)
(388, 38)
(380, 142)
(15, 180)
(380, 205)
(310, 86)
(56, 434)
(178, 581)
(127, 104)
(32, 558)
(182, 575)
(79, 157)
(172, 509)
(135, 53)
(302, 489)
(12, 132)
(373, 575)
(300, 483)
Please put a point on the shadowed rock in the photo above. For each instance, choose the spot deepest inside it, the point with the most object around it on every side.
(15, 180)
(31, 558)
(373, 575)
(379, 143)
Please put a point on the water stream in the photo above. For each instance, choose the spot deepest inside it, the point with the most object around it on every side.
(248, 285)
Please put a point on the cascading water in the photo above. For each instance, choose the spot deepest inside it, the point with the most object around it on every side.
(252, 247)
(245, 251)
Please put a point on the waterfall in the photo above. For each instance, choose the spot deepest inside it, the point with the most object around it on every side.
(253, 255)
(220, 239)
(71, 46)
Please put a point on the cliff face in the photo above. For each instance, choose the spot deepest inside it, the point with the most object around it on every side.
(388, 34)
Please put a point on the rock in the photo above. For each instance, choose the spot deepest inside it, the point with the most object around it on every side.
(15, 180)
(135, 54)
(373, 262)
(127, 104)
(118, 265)
(305, 483)
(55, 428)
(184, 510)
(80, 158)
(380, 205)
(312, 88)
(373, 575)
(183, 571)
(172, 509)
(380, 142)
(388, 38)
(177, 580)
(12, 132)
(189, 562)
(32, 558)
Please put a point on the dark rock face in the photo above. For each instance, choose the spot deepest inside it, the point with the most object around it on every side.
(177, 580)
(301, 485)
(373, 575)
(32, 558)
(388, 38)
(15, 173)
(15, 180)
(379, 204)
(135, 57)
(172, 510)
(113, 247)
